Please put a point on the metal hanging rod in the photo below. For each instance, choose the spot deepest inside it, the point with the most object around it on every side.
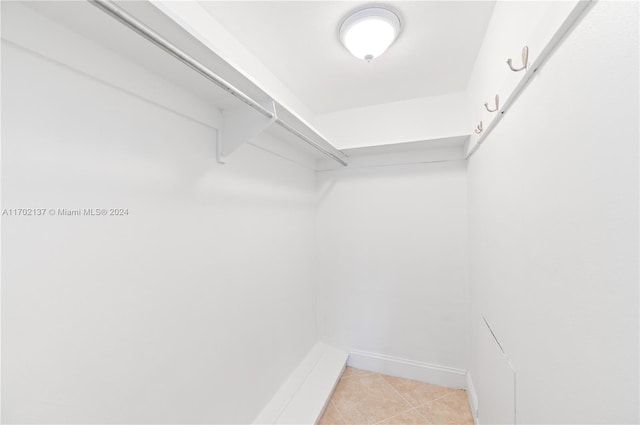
(311, 142)
(131, 22)
(128, 20)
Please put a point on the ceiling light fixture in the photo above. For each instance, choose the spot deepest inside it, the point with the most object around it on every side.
(368, 33)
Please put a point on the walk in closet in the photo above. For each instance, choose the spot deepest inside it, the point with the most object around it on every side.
(210, 209)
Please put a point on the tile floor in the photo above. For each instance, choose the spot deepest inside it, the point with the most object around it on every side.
(363, 397)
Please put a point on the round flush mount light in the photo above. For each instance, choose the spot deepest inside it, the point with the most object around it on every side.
(368, 33)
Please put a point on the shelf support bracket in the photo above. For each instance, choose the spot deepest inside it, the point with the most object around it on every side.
(241, 125)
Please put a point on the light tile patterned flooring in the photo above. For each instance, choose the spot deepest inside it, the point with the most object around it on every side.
(363, 397)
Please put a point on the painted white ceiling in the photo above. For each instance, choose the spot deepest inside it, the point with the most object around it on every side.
(298, 41)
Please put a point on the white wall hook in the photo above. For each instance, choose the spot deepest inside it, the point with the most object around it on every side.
(497, 101)
(525, 60)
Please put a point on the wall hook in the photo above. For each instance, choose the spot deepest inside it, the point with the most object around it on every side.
(525, 60)
(486, 105)
(479, 128)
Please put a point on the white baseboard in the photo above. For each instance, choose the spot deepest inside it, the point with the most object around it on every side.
(473, 398)
(303, 396)
(409, 369)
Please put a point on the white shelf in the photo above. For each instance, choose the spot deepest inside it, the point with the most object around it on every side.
(547, 31)
(414, 152)
(142, 33)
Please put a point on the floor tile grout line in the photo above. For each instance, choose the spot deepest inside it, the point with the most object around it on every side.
(338, 410)
(364, 374)
(423, 415)
(397, 392)
(411, 407)
(359, 375)
(419, 405)
(336, 407)
(436, 399)
(402, 413)
(439, 398)
(453, 390)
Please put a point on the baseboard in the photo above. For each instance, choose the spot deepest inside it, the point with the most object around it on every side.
(409, 369)
(303, 396)
(473, 398)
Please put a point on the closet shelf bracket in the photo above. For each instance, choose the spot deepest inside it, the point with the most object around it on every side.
(241, 125)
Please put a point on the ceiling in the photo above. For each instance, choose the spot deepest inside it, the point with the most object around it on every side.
(298, 41)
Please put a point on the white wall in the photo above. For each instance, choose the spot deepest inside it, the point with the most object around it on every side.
(392, 271)
(396, 122)
(193, 308)
(553, 199)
